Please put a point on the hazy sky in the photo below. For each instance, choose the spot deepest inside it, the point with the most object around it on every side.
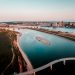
(37, 10)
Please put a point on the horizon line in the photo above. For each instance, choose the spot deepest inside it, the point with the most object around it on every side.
(39, 21)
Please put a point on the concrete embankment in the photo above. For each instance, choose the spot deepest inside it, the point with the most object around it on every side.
(29, 66)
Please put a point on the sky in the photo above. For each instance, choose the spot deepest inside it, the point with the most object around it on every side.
(37, 10)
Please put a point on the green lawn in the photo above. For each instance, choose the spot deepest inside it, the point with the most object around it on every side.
(5, 50)
(6, 44)
(6, 38)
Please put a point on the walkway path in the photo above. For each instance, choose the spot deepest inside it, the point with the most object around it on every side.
(29, 65)
(47, 65)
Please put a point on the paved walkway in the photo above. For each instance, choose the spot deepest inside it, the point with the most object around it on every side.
(29, 65)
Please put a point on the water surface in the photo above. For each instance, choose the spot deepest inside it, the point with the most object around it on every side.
(72, 30)
(39, 53)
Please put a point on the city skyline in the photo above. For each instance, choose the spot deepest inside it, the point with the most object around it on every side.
(37, 10)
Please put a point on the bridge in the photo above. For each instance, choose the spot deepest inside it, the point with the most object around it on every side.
(47, 65)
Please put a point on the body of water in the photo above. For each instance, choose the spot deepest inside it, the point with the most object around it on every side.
(72, 30)
(39, 53)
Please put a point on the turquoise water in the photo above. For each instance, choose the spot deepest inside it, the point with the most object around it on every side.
(61, 29)
(39, 53)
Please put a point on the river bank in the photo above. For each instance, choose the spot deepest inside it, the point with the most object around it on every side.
(58, 33)
(9, 53)
(14, 60)
(29, 66)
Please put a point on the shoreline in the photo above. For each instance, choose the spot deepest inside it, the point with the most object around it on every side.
(66, 35)
(29, 65)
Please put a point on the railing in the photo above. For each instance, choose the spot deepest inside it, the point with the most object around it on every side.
(47, 65)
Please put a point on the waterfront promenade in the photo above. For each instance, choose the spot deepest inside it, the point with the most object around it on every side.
(29, 65)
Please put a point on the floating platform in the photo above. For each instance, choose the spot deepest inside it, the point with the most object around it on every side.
(43, 40)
